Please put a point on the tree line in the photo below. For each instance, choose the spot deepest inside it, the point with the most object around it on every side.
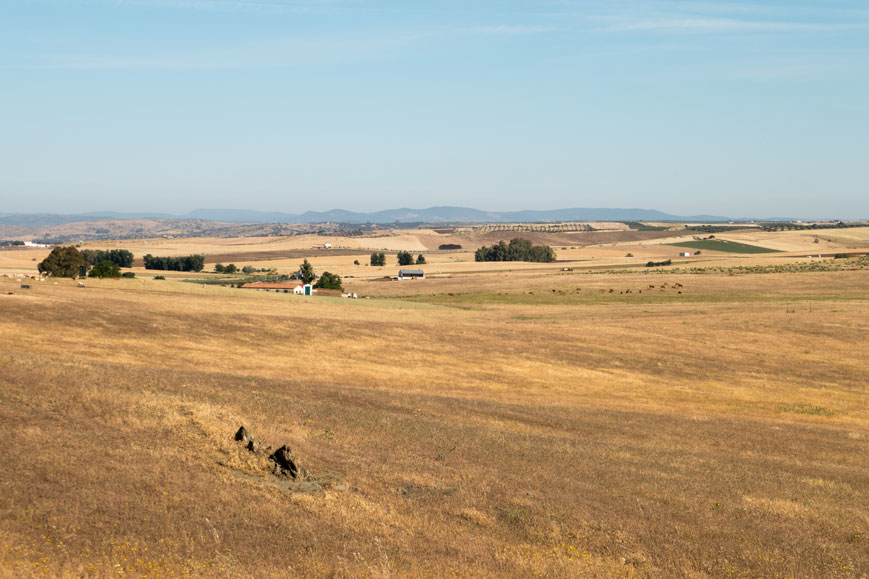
(120, 257)
(517, 250)
(184, 263)
(404, 258)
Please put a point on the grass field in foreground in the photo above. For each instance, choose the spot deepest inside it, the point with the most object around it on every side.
(723, 245)
(602, 438)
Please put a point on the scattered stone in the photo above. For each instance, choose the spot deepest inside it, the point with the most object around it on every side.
(242, 435)
(285, 462)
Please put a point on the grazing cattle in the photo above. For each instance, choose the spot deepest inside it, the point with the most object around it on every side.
(603, 291)
(612, 290)
(651, 287)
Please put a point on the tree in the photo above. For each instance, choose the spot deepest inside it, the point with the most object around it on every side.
(63, 262)
(248, 269)
(105, 269)
(420, 259)
(329, 281)
(405, 258)
(219, 268)
(306, 272)
(230, 268)
(355, 262)
(378, 259)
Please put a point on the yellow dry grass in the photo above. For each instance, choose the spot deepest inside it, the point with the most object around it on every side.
(504, 430)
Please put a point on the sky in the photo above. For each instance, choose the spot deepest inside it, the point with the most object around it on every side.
(744, 109)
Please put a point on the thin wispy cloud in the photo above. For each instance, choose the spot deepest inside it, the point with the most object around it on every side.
(702, 25)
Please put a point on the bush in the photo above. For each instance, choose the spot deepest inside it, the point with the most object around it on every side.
(444, 246)
(159, 277)
(128, 274)
(420, 259)
(658, 263)
(63, 262)
(105, 269)
(517, 250)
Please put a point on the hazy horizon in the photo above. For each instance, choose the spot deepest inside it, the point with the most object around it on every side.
(738, 109)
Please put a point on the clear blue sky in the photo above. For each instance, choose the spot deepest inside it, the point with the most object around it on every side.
(755, 108)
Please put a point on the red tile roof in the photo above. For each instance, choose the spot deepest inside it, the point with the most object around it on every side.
(270, 285)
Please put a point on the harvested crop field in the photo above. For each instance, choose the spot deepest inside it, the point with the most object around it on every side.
(723, 245)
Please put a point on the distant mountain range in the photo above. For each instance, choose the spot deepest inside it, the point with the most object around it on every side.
(445, 214)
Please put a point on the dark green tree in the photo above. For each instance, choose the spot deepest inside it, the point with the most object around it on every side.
(378, 259)
(63, 262)
(420, 259)
(329, 281)
(105, 269)
(230, 268)
(306, 272)
(405, 258)
(219, 268)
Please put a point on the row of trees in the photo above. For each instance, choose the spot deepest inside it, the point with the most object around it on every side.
(220, 268)
(404, 258)
(184, 263)
(517, 250)
(67, 261)
(120, 257)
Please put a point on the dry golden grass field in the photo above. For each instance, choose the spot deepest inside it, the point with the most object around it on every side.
(494, 420)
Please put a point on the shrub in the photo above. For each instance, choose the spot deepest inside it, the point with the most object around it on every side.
(128, 274)
(445, 246)
(420, 259)
(159, 277)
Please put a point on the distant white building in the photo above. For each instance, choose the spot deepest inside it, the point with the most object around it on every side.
(685, 254)
(411, 274)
